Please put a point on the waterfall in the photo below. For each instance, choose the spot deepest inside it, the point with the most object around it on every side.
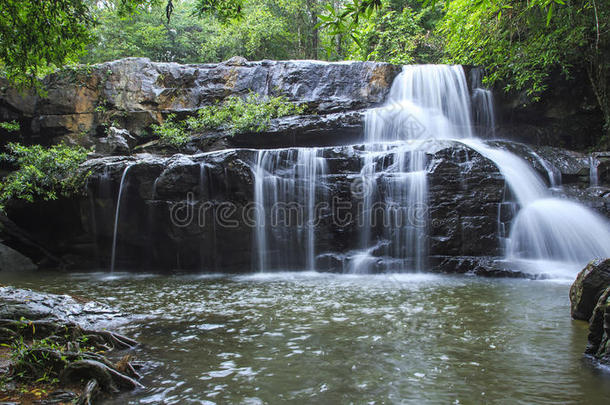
(484, 119)
(425, 101)
(552, 172)
(286, 196)
(483, 112)
(523, 181)
(406, 201)
(560, 230)
(394, 198)
(426, 104)
(116, 218)
(431, 102)
(593, 174)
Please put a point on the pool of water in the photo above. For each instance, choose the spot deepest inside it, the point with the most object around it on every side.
(321, 338)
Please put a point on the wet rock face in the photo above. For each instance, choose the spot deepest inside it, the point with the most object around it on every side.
(16, 303)
(590, 301)
(136, 92)
(194, 212)
(598, 344)
(465, 192)
(567, 115)
(12, 260)
(568, 172)
(588, 287)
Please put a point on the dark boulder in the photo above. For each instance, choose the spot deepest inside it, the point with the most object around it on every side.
(598, 344)
(588, 287)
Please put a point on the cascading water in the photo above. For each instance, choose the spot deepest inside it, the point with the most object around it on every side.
(484, 119)
(430, 102)
(116, 218)
(426, 104)
(552, 172)
(593, 173)
(286, 196)
(395, 200)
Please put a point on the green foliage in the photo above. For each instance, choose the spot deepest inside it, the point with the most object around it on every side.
(45, 173)
(235, 115)
(10, 126)
(38, 35)
(395, 37)
(255, 29)
(258, 35)
(395, 31)
(517, 43)
(32, 361)
(147, 33)
(171, 132)
(345, 20)
(223, 10)
(523, 43)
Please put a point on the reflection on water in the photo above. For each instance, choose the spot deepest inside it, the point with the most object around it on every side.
(308, 337)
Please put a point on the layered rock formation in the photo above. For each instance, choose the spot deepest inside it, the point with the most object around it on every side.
(466, 194)
(80, 104)
(465, 189)
(111, 106)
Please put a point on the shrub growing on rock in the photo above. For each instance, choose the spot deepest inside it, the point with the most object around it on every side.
(45, 173)
(234, 115)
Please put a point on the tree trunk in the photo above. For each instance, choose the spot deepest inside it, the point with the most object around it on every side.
(313, 19)
(598, 71)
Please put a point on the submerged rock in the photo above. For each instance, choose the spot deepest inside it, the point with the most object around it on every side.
(588, 287)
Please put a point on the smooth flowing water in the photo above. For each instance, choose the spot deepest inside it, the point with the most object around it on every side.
(320, 338)
(431, 102)
(285, 194)
(116, 218)
(426, 106)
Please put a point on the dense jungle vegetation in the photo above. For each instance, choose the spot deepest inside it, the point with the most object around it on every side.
(520, 43)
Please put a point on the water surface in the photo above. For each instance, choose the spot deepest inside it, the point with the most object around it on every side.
(316, 338)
